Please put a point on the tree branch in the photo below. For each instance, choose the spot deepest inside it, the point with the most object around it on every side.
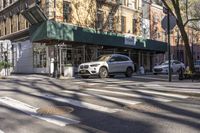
(192, 19)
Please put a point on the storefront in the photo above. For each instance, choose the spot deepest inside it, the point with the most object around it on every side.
(69, 45)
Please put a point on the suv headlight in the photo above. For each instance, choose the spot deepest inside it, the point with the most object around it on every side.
(94, 65)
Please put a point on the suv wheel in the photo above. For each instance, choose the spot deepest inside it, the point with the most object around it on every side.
(103, 72)
(129, 72)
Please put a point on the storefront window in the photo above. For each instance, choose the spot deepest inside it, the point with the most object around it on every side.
(39, 56)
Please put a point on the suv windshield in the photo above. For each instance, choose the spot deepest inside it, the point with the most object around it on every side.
(103, 58)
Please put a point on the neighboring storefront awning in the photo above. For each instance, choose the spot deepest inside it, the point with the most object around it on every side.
(54, 31)
(34, 14)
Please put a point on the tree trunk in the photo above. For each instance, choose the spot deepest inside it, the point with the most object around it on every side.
(184, 36)
(187, 47)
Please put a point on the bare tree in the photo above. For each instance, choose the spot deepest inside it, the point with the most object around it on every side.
(182, 10)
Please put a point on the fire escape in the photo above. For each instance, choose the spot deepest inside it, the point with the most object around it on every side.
(109, 21)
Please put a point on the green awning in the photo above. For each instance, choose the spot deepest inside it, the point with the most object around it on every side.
(51, 30)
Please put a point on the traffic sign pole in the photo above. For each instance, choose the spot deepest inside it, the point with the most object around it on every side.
(169, 47)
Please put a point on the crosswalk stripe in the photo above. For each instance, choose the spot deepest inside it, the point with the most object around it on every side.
(32, 111)
(79, 103)
(144, 77)
(119, 100)
(1, 131)
(132, 95)
(163, 94)
(77, 93)
(173, 89)
(117, 88)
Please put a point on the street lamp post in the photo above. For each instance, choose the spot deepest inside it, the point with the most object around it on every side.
(168, 24)
(169, 47)
(192, 44)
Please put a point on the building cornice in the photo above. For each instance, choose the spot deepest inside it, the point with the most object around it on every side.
(16, 35)
(10, 5)
(14, 8)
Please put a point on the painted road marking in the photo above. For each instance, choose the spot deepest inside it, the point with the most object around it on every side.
(32, 111)
(141, 77)
(173, 89)
(163, 94)
(1, 131)
(77, 93)
(131, 95)
(79, 103)
(152, 85)
(119, 100)
(117, 88)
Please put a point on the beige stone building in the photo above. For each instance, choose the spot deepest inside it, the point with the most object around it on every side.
(73, 31)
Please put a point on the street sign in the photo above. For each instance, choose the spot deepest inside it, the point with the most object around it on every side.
(172, 22)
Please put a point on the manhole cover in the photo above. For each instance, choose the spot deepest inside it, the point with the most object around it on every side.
(55, 110)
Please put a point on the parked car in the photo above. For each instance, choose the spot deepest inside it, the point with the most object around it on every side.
(107, 65)
(197, 66)
(163, 67)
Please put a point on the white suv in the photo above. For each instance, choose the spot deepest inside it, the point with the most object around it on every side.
(107, 65)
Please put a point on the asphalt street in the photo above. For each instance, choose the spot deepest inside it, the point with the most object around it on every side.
(141, 104)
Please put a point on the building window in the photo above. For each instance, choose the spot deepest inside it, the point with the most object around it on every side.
(18, 22)
(134, 25)
(66, 11)
(39, 56)
(11, 1)
(19, 50)
(125, 2)
(158, 2)
(134, 4)
(123, 24)
(11, 24)
(27, 24)
(5, 29)
(100, 19)
(111, 22)
(4, 3)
